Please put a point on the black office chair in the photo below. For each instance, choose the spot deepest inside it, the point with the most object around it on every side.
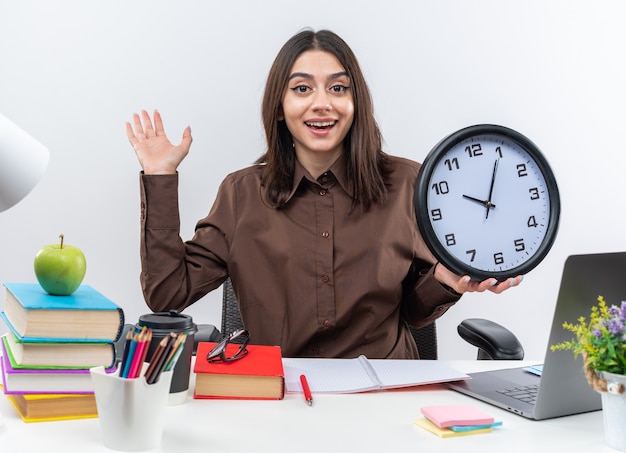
(494, 341)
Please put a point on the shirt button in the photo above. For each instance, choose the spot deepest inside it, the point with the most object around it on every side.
(327, 323)
(322, 192)
(325, 278)
(325, 234)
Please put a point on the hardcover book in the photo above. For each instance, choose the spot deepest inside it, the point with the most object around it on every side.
(40, 407)
(258, 375)
(57, 355)
(85, 315)
(42, 380)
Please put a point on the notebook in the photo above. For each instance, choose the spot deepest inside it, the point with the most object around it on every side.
(560, 387)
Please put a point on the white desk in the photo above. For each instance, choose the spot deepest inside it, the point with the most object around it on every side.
(381, 421)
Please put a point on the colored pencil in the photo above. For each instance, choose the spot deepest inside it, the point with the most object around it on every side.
(176, 352)
(129, 338)
(156, 355)
(140, 353)
(131, 354)
(144, 354)
(156, 372)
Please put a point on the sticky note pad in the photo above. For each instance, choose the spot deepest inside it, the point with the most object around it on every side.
(445, 416)
(471, 428)
(534, 369)
(447, 432)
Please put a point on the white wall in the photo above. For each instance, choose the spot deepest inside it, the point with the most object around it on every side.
(72, 72)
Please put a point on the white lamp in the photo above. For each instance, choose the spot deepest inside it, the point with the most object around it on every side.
(23, 161)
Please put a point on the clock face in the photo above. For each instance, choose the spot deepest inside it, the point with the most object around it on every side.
(487, 203)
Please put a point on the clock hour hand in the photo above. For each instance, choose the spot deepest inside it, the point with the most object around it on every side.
(485, 203)
(482, 202)
(488, 203)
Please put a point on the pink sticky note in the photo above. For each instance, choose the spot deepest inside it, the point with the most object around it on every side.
(444, 416)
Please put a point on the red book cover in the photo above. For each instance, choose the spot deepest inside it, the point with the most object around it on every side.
(258, 375)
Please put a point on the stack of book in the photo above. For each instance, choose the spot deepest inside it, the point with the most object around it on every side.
(51, 344)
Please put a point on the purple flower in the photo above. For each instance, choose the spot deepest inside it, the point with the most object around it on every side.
(597, 333)
(616, 327)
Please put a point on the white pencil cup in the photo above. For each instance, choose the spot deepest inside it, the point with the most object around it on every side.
(131, 411)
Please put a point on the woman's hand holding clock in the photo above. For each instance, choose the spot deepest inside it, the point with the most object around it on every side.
(464, 284)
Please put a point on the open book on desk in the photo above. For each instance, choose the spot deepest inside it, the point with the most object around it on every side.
(362, 374)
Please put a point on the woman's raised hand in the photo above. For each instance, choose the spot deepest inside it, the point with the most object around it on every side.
(155, 152)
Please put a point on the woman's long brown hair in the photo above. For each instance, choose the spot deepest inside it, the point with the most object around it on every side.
(367, 162)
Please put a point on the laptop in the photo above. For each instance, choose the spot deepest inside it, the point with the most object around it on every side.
(561, 389)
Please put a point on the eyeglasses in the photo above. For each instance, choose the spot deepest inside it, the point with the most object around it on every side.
(218, 353)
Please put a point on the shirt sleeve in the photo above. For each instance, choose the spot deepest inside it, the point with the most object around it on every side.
(174, 273)
(425, 298)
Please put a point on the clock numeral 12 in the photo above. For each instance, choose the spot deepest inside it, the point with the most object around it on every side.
(474, 150)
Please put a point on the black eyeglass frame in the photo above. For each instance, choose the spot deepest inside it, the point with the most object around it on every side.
(218, 353)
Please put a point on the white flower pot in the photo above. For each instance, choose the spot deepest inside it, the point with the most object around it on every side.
(614, 410)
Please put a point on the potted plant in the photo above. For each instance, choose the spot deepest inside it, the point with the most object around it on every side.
(602, 343)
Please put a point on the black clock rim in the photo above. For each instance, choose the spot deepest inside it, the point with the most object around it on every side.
(423, 217)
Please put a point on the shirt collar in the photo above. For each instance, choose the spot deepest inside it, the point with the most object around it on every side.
(338, 169)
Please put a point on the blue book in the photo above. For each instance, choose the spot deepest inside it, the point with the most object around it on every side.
(35, 316)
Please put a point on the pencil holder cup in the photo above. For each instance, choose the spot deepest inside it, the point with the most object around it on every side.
(131, 411)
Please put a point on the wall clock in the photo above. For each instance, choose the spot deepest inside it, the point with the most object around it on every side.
(487, 203)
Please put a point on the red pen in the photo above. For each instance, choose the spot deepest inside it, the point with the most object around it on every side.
(307, 391)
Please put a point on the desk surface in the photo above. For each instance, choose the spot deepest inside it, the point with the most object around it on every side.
(377, 421)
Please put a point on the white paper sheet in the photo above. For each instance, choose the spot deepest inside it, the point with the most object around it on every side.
(351, 376)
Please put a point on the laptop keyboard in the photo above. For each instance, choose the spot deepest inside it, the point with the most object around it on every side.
(528, 394)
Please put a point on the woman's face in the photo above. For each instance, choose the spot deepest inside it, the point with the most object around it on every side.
(318, 107)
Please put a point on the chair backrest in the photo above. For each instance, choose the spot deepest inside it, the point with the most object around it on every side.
(425, 337)
(426, 340)
(231, 318)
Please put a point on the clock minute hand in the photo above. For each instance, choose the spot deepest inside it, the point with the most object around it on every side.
(488, 204)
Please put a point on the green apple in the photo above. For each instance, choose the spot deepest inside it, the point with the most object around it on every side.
(60, 268)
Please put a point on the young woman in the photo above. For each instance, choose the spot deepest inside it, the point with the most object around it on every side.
(319, 236)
